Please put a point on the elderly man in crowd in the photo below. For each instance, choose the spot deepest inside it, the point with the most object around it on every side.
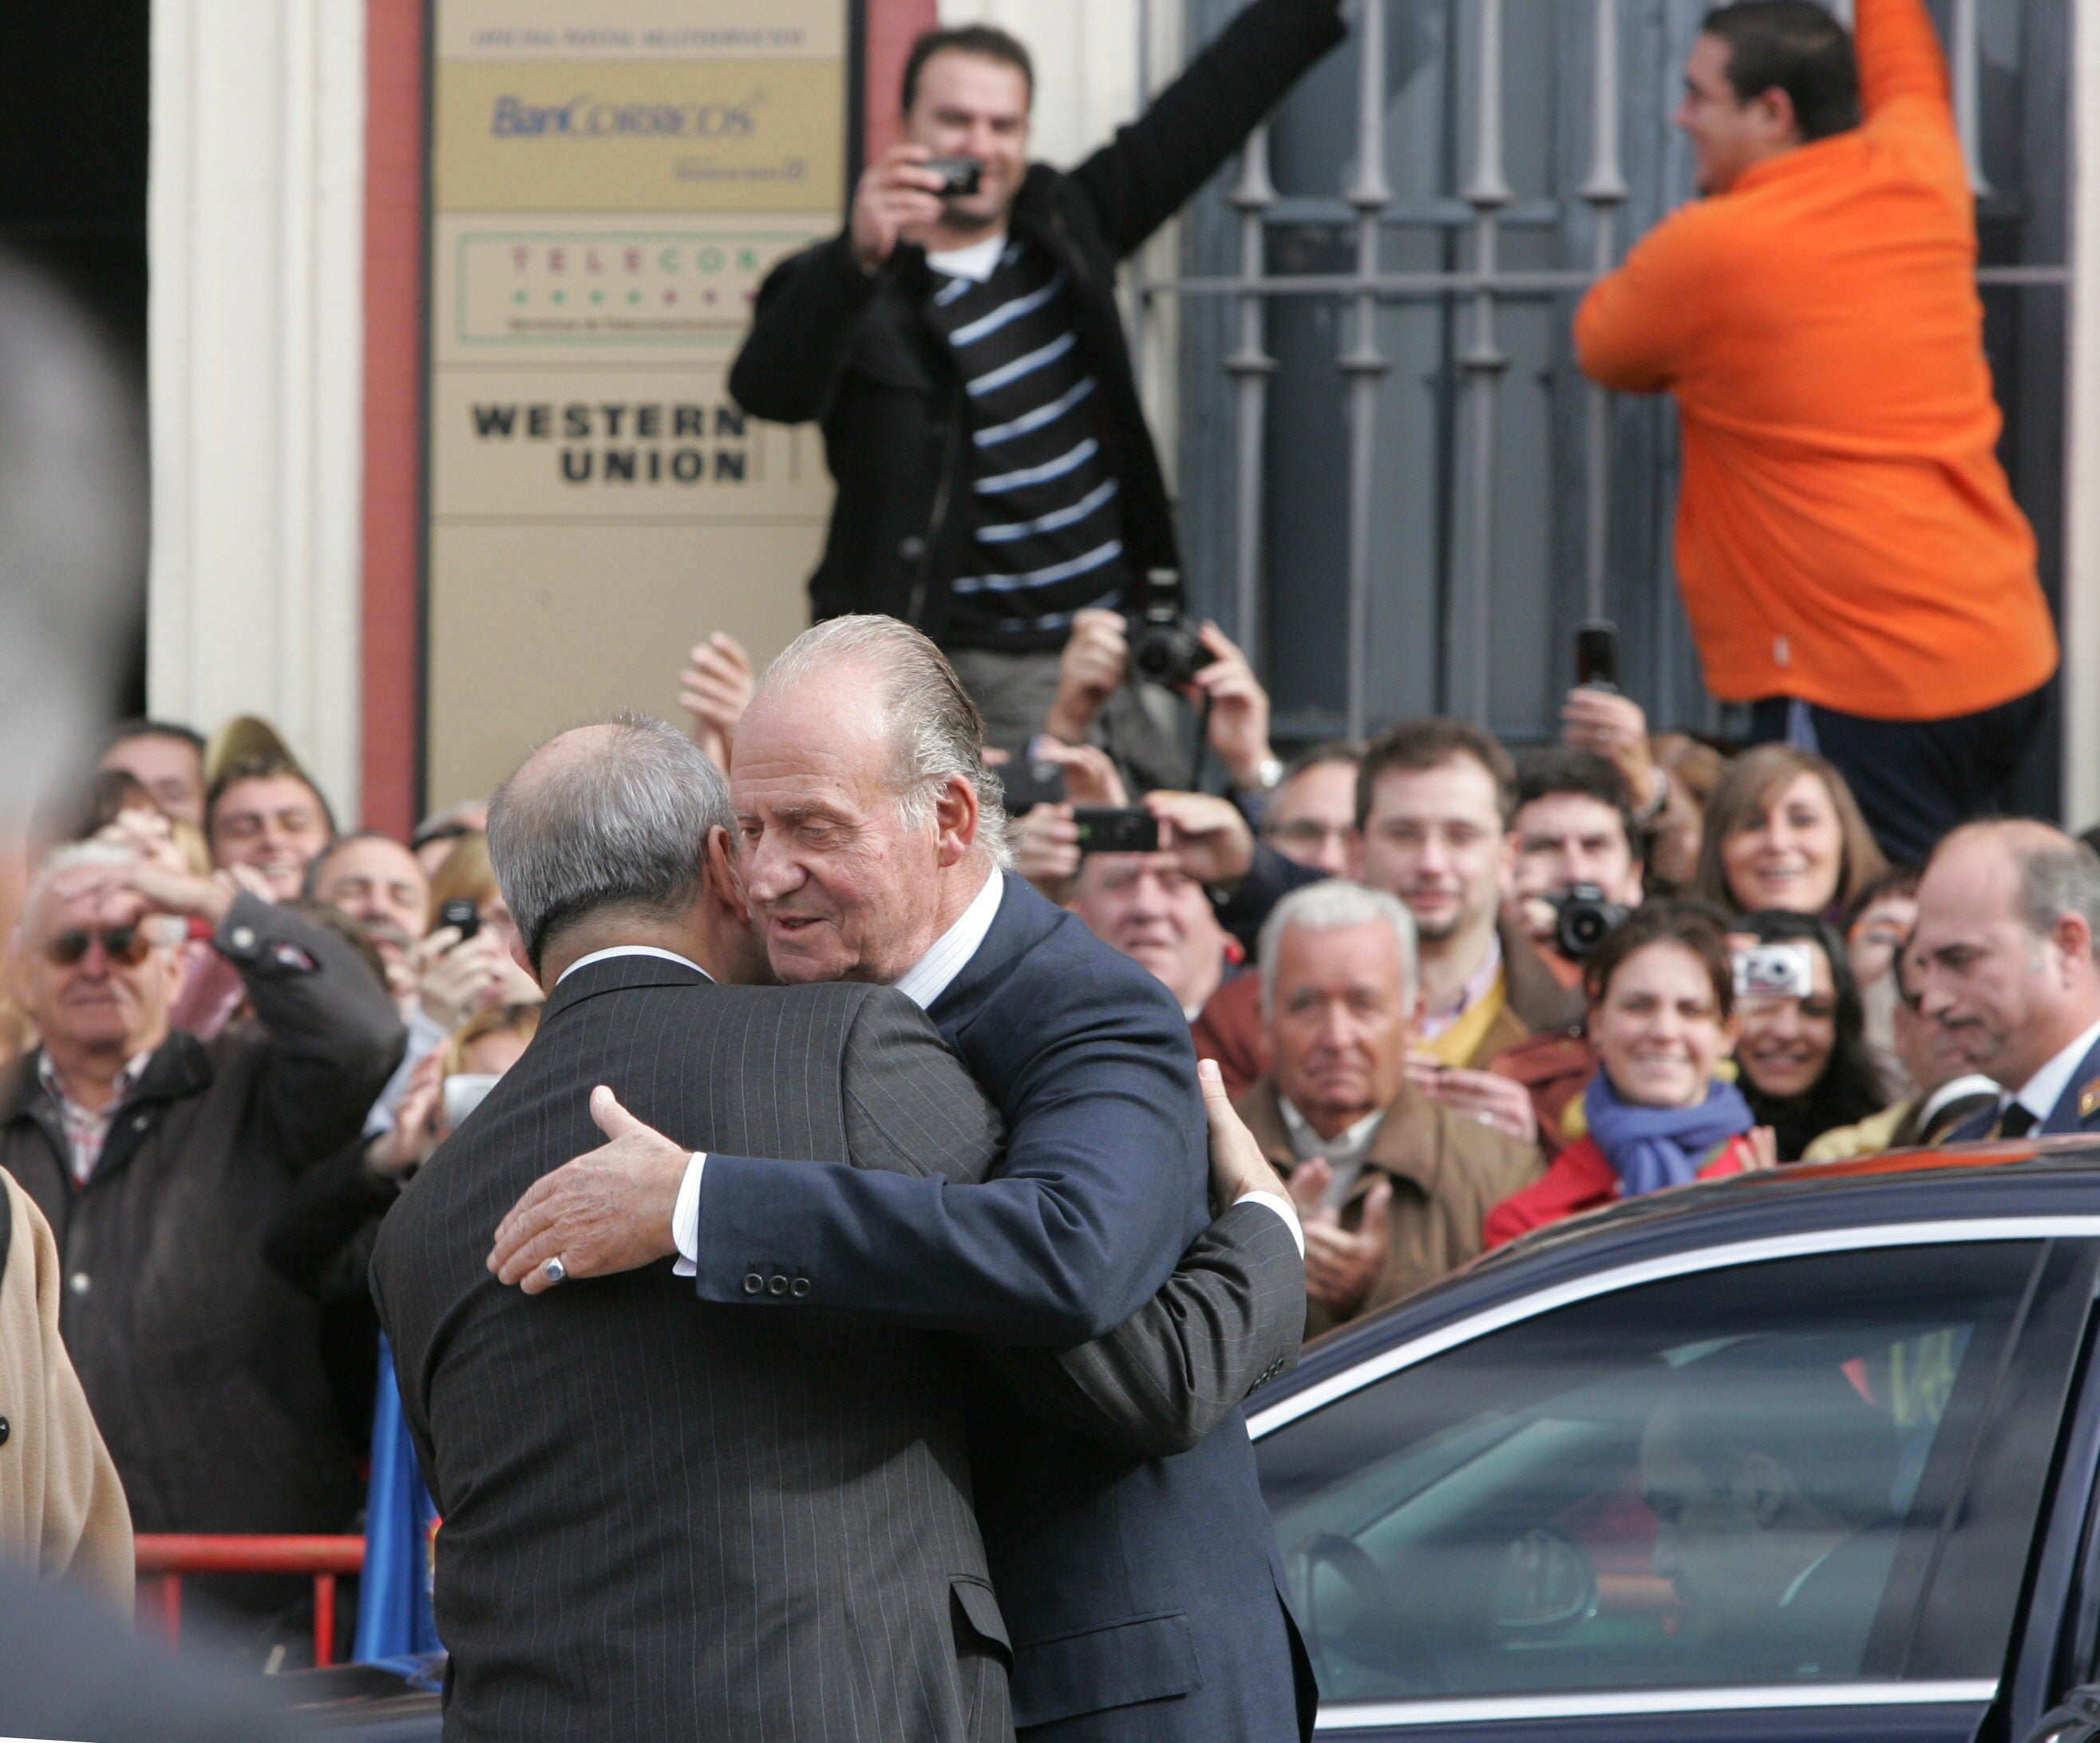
(1146, 906)
(263, 813)
(2008, 919)
(1392, 1186)
(158, 1161)
(1433, 799)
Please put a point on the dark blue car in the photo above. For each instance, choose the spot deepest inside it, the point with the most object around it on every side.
(1810, 1454)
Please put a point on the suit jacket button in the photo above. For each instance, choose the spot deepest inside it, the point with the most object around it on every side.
(753, 1283)
(777, 1286)
(4, 1431)
(801, 1288)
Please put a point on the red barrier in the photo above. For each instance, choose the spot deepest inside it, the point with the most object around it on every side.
(163, 1561)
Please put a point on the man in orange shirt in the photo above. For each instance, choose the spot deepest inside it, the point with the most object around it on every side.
(1849, 552)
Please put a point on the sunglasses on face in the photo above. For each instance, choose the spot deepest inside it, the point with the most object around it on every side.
(127, 945)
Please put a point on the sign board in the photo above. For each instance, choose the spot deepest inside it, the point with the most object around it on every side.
(610, 180)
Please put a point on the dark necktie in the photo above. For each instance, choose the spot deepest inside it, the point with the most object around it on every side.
(2016, 1121)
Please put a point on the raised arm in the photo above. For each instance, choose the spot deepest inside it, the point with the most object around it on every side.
(1899, 56)
(1230, 1317)
(1101, 1190)
(1153, 167)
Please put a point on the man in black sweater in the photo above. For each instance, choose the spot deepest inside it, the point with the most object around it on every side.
(965, 354)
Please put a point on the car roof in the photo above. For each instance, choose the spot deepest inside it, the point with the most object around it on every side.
(1973, 1179)
(2026, 1177)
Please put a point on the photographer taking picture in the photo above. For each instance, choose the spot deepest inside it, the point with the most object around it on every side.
(961, 342)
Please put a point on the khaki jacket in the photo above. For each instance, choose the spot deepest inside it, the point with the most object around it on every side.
(62, 1510)
(1448, 1172)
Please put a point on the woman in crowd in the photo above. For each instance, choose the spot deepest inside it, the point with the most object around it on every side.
(1805, 1065)
(1783, 831)
(1877, 923)
(1661, 991)
(467, 876)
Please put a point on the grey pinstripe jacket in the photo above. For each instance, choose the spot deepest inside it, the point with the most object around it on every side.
(666, 1520)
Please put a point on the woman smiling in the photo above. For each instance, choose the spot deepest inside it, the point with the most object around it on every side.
(1661, 991)
(1783, 831)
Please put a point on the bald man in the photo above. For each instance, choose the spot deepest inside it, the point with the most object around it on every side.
(2008, 916)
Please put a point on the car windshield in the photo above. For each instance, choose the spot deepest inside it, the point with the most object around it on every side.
(1734, 1477)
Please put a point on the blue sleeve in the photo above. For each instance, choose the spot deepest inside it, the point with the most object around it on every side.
(1104, 1183)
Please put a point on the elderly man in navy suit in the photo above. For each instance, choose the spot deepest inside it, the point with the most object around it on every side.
(2008, 928)
(1138, 1582)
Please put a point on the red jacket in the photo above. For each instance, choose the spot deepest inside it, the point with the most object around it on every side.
(1581, 1179)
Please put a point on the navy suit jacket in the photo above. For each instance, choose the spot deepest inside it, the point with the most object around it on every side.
(2064, 1117)
(1144, 1597)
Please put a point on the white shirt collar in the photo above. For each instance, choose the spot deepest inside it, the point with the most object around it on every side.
(633, 949)
(2041, 1092)
(935, 972)
(976, 262)
(1352, 1145)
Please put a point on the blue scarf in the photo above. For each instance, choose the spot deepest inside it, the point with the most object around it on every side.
(1651, 1148)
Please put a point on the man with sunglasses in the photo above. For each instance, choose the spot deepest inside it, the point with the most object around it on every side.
(159, 1161)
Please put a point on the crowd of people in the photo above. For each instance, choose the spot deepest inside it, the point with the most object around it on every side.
(1447, 992)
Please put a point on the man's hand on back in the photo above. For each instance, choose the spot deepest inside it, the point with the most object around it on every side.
(605, 1212)
(898, 193)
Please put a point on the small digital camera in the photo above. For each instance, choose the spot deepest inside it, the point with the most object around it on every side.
(1586, 919)
(1775, 971)
(960, 176)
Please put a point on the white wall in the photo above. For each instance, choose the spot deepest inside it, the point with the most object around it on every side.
(255, 318)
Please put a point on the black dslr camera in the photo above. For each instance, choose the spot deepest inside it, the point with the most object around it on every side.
(1586, 918)
(1164, 647)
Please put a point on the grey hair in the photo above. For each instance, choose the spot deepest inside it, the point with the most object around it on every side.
(939, 732)
(1329, 907)
(2058, 876)
(626, 826)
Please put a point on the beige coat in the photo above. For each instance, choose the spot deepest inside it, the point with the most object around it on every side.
(62, 1509)
(1447, 1171)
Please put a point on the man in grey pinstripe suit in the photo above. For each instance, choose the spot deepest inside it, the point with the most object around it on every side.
(665, 1520)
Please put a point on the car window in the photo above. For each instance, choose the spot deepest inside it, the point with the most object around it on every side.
(1737, 1477)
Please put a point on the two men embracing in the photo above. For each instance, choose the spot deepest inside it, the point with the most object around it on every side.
(942, 1438)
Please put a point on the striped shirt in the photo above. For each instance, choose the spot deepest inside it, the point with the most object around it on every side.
(1047, 526)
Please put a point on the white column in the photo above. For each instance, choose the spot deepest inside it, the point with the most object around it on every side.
(255, 216)
(2081, 566)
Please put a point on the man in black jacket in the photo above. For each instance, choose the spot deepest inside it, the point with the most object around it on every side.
(968, 362)
(159, 1160)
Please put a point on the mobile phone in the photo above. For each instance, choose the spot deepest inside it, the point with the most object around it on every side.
(1775, 971)
(1597, 655)
(464, 915)
(960, 176)
(1027, 784)
(1105, 829)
